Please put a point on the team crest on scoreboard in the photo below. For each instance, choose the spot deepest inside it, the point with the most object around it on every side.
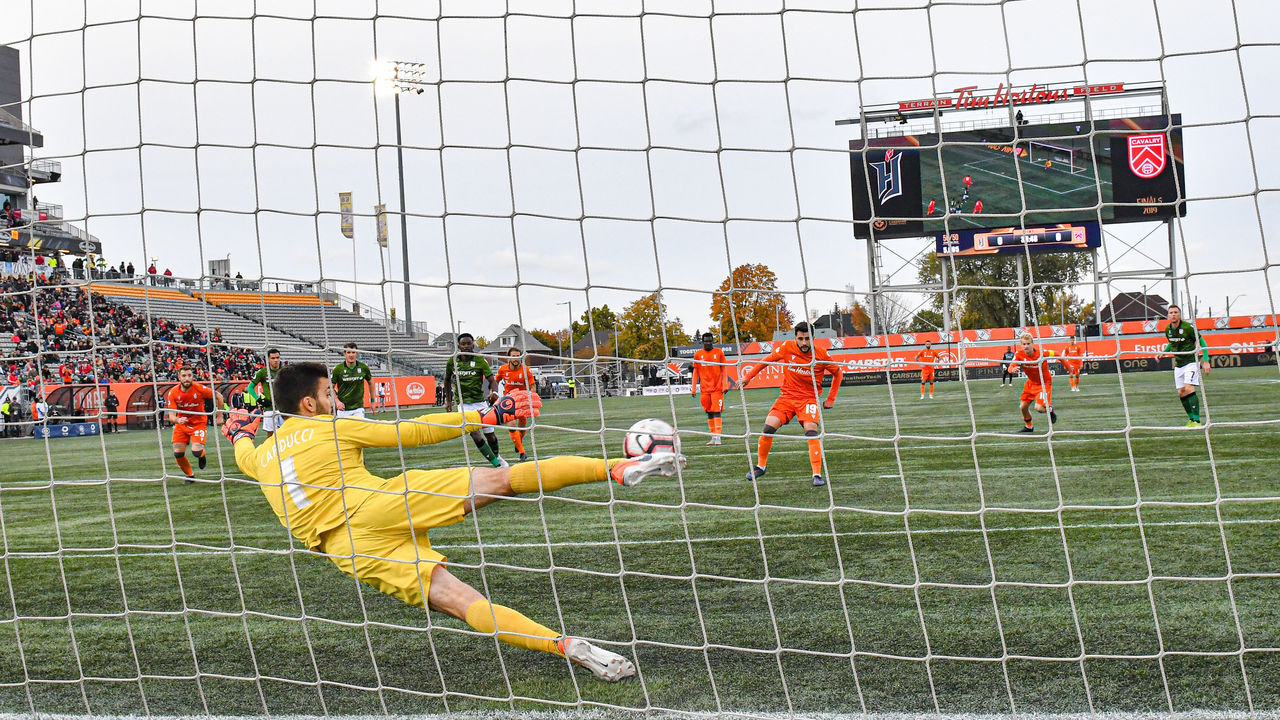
(1146, 155)
(888, 176)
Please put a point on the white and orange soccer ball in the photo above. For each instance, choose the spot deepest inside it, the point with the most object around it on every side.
(648, 436)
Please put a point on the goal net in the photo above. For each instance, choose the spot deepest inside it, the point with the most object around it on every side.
(593, 185)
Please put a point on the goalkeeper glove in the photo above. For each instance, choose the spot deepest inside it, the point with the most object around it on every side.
(517, 405)
(240, 426)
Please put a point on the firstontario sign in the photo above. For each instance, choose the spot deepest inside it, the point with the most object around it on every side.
(967, 97)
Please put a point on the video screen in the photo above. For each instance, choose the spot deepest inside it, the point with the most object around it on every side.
(1115, 170)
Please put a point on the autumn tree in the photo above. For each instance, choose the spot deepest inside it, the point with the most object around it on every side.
(646, 331)
(602, 318)
(987, 295)
(551, 340)
(748, 301)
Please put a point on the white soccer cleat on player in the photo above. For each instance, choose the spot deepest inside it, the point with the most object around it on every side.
(632, 472)
(715, 440)
(604, 664)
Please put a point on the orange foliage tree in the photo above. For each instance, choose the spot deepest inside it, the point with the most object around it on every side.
(749, 299)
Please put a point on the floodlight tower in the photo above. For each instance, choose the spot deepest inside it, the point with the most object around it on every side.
(399, 77)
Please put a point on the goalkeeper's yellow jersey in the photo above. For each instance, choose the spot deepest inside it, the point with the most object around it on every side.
(312, 470)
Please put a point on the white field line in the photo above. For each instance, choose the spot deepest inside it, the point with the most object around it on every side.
(168, 552)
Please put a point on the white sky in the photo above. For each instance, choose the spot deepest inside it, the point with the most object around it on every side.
(190, 130)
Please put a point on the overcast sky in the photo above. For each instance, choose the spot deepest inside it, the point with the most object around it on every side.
(571, 147)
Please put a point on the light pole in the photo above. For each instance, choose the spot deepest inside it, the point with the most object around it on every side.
(1231, 300)
(403, 77)
(570, 304)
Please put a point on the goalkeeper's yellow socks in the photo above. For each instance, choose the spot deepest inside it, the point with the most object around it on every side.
(558, 472)
(511, 627)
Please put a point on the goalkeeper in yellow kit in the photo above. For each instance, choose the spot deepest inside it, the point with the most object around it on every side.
(312, 472)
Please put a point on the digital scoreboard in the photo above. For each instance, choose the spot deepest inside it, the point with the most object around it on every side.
(1063, 237)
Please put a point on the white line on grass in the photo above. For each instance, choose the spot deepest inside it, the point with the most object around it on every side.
(597, 712)
(106, 552)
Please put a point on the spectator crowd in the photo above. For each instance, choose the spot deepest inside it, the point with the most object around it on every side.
(59, 333)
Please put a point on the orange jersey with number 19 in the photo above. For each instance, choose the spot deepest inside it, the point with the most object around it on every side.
(709, 369)
(802, 372)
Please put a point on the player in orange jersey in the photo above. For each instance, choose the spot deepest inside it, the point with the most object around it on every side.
(1073, 362)
(803, 366)
(515, 375)
(1038, 389)
(927, 357)
(709, 367)
(190, 404)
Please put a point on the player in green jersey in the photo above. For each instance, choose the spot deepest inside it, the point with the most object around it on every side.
(349, 380)
(1184, 344)
(464, 378)
(258, 394)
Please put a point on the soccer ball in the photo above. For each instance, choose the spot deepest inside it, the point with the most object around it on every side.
(650, 435)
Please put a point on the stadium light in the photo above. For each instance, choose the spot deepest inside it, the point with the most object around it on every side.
(570, 304)
(398, 77)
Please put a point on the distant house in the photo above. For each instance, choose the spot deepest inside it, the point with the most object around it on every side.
(516, 336)
(594, 341)
(840, 323)
(1135, 306)
(446, 341)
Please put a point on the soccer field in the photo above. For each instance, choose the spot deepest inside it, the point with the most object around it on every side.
(1102, 568)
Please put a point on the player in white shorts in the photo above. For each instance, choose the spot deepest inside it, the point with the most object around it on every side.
(1185, 344)
(350, 379)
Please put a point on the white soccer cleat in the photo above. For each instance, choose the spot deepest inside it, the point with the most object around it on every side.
(715, 440)
(604, 664)
(632, 472)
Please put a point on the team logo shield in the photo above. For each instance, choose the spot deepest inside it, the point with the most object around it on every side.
(1146, 155)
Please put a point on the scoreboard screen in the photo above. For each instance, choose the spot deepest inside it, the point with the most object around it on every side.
(1064, 237)
(1105, 171)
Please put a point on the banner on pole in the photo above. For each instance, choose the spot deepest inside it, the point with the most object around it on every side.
(344, 202)
(381, 212)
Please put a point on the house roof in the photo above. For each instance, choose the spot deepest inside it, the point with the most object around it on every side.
(593, 340)
(1135, 306)
(523, 339)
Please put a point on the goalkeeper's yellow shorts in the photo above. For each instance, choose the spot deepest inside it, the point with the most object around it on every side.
(384, 543)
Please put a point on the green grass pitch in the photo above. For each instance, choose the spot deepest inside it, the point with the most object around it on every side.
(985, 573)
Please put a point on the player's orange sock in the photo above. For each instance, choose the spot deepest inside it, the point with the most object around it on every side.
(815, 455)
(717, 425)
(184, 463)
(762, 453)
(558, 472)
(930, 388)
(489, 618)
(922, 388)
(517, 439)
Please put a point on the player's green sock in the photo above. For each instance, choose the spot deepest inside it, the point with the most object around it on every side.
(485, 450)
(1193, 406)
(1186, 406)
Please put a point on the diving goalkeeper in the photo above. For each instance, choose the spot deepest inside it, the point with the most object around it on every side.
(312, 472)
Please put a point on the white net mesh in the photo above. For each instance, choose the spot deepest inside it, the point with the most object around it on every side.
(541, 161)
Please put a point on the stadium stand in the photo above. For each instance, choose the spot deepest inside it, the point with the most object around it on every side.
(236, 330)
(329, 326)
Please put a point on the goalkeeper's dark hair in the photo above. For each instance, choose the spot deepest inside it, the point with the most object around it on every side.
(295, 382)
